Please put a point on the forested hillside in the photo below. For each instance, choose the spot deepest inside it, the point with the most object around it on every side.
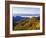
(26, 23)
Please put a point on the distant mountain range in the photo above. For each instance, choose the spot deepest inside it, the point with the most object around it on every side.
(17, 18)
(26, 15)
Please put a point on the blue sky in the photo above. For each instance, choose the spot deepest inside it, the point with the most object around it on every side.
(25, 11)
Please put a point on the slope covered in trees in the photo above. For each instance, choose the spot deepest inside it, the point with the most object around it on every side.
(26, 23)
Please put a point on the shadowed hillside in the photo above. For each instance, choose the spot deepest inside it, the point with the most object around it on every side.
(26, 23)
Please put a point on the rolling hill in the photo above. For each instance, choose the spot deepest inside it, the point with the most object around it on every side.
(25, 23)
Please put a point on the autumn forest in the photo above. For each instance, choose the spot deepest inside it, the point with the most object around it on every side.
(26, 23)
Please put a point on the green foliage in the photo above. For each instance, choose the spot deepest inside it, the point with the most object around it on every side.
(27, 24)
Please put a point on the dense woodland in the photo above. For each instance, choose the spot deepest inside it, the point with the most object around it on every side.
(27, 24)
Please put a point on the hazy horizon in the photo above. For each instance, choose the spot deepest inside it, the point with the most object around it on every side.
(26, 15)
